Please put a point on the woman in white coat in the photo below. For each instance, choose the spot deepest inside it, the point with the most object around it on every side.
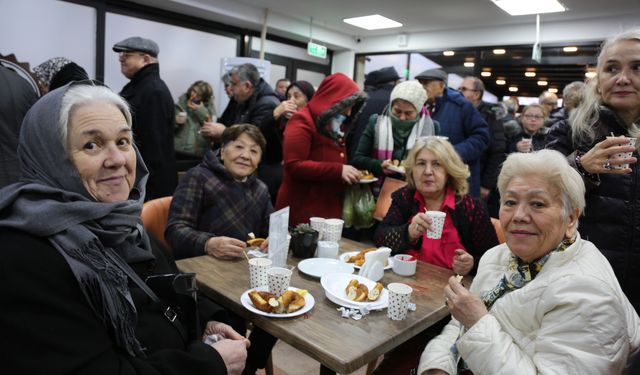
(546, 301)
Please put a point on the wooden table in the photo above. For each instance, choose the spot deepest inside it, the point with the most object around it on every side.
(342, 345)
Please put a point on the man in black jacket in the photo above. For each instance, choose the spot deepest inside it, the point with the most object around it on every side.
(473, 89)
(16, 97)
(152, 110)
(378, 84)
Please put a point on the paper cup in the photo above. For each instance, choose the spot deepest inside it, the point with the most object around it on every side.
(318, 224)
(278, 279)
(437, 224)
(623, 155)
(258, 271)
(333, 230)
(404, 265)
(181, 118)
(528, 143)
(399, 297)
(327, 249)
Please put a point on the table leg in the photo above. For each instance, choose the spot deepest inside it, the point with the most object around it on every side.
(326, 371)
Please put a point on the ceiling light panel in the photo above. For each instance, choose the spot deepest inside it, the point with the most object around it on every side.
(372, 22)
(523, 7)
(570, 49)
(448, 53)
(485, 74)
(499, 51)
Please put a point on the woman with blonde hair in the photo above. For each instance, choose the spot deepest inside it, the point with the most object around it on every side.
(437, 181)
(597, 141)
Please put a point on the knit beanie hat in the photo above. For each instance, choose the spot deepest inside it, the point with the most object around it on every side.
(410, 91)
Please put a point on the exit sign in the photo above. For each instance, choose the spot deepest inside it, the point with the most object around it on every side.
(317, 50)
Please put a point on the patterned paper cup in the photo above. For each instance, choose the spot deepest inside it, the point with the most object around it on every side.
(623, 155)
(399, 297)
(333, 230)
(317, 223)
(437, 224)
(278, 279)
(258, 271)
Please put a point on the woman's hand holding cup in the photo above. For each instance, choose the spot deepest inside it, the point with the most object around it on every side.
(418, 226)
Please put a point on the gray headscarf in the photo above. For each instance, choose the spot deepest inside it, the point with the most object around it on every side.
(95, 238)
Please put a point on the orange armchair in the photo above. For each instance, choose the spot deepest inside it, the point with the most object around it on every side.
(155, 214)
(498, 228)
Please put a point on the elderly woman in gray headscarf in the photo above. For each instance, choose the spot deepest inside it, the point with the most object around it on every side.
(546, 301)
(73, 242)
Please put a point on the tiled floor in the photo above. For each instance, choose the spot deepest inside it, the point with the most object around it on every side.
(289, 361)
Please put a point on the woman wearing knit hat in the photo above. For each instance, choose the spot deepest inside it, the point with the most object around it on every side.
(391, 135)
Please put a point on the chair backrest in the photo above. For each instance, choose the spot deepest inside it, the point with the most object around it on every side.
(498, 228)
(155, 214)
(384, 199)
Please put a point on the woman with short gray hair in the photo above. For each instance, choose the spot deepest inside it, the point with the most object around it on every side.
(544, 302)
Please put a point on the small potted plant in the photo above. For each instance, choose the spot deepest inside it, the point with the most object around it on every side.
(304, 240)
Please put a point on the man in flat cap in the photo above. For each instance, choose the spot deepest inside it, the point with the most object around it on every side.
(459, 120)
(152, 110)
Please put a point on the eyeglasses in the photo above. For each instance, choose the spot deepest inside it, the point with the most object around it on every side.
(127, 54)
(465, 89)
(533, 117)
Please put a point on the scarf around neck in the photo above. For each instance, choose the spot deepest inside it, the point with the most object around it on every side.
(383, 139)
(87, 233)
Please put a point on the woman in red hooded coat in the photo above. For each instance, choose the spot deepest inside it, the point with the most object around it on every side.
(314, 153)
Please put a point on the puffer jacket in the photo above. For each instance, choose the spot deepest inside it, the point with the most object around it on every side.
(313, 155)
(571, 319)
(611, 217)
(467, 131)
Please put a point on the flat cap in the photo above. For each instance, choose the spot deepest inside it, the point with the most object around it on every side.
(136, 43)
(433, 74)
(384, 75)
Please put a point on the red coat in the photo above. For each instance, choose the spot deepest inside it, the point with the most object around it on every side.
(312, 184)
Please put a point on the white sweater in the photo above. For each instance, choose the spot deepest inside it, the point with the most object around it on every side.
(571, 319)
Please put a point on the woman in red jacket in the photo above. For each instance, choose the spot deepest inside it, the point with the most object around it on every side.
(315, 169)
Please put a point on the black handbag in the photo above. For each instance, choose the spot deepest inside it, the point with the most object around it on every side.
(178, 297)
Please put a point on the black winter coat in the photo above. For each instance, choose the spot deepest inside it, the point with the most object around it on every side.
(612, 215)
(375, 105)
(493, 157)
(49, 328)
(153, 114)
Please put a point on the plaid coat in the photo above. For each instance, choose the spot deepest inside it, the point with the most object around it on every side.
(209, 202)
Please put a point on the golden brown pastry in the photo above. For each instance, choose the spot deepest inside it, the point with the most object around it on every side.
(256, 242)
(375, 292)
(261, 300)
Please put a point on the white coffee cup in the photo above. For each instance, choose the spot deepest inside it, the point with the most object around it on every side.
(399, 297)
(258, 271)
(318, 223)
(437, 224)
(623, 155)
(332, 230)
(528, 143)
(404, 264)
(327, 249)
(278, 279)
(181, 118)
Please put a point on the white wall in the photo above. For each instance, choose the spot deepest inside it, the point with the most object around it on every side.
(185, 56)
(343, 62)
(37, 30)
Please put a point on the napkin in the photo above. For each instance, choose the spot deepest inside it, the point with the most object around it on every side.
(278, 232)
(374, 262)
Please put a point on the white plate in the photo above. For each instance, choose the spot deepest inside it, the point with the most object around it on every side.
(397, 169)
(317, 267)
(334, 285)
(345, 256)
(368, 181)
(309, 301)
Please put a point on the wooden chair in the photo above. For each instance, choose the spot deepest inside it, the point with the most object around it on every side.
(498, 228)
(155, 214)
(384, 199)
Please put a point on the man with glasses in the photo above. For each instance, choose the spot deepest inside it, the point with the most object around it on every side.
(459, 120)
(472, 89)
(152, 112)
(548, 101)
